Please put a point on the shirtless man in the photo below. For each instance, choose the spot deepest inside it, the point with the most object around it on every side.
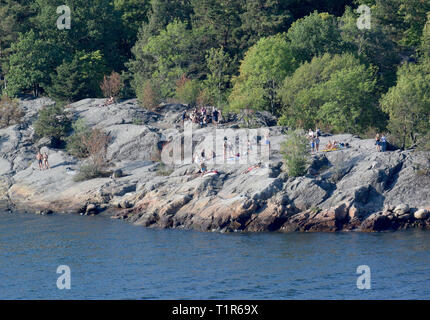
(39, 158)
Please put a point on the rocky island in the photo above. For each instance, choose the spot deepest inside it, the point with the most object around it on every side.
(354, 189)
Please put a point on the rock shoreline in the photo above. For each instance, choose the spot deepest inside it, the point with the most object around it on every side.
(356, 189)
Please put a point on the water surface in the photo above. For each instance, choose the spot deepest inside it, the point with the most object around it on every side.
(111, 259)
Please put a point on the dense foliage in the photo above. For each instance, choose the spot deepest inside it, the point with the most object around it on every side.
(295, 150)
(52, 123)
(305, 61)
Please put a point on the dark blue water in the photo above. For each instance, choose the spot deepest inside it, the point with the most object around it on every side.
(110, 259)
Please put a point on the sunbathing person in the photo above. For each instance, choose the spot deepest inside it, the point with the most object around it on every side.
(256, 166)
(329, 145)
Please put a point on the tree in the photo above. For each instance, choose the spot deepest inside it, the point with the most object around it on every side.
(314, 35)
(219, 20)
(414, 15)
(408, 104)
(67, 85)
(29, 64)
(372, 45)
(333, 91)
(265, 66)
(53, 123)
(262, 18)
(78, 78)
(111, 85)
(295, 151)
(187, 90)
(219, 64)
(425, 40)
(132, 13)
(14, 18)
(403, 20)
(149, 95)
(95, 26)
(169, 52)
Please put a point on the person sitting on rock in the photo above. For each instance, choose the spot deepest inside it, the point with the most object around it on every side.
(203, 168)
(329, 145)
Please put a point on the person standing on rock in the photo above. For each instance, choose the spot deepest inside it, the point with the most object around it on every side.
(378, 142)
(184, 116)
(317, 143)
(225, 148)
(215, 116)
(39, 158)
(312, 143)
(383, 143)
(45, 160)
(267, 141)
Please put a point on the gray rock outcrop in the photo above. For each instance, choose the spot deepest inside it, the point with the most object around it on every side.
(355, 188)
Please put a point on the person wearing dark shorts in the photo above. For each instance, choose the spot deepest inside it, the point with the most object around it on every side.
(39, 158)
(215, 114)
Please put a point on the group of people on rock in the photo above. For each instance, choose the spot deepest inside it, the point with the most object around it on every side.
(203, 117)
(42, 160)
(381, 142)
(228, 152)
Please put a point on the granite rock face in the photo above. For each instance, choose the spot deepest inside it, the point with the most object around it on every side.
(356, 188)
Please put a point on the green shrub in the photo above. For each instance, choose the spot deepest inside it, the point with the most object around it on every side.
(162, 170)
(188, 91)
(149, 95)
(295, 150)
(52, 123)
(88, 172)
(74, 142)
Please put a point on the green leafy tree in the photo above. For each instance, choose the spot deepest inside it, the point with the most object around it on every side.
(29, 64)
(408, 104)
(67, 85)
(219, 21)
(187, 90)
(414, 15)
(78, 78)
(373, 46)
(337, 92)
(53, 123)
(14, 18)
(81, 131)
(133, 13)
(262, 18)
(295, 151)
(425, 40)
(265, 66)
(314, 35)
(403, 20)
(169, 52)
(95, 26)
(219, 64)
